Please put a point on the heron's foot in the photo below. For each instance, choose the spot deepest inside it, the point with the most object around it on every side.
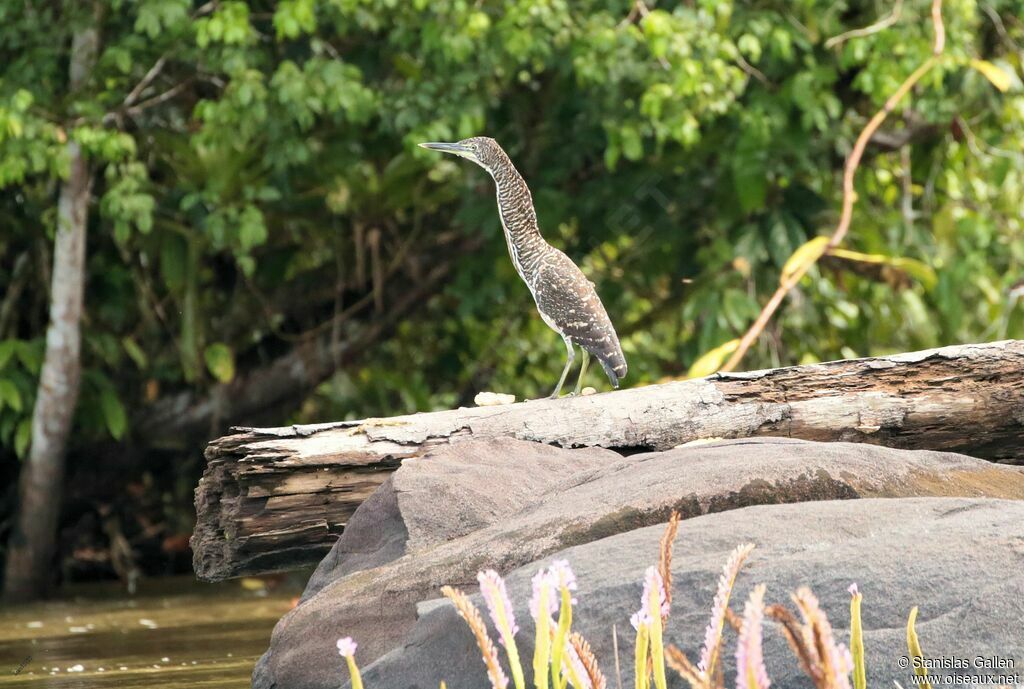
(559, 396)
(570, 395)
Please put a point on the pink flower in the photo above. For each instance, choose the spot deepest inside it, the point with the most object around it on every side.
(750, 670)
(347, 647)
(713, 633)
(563, 574)
(652, 582)
(551, 580)
(842, 661)
(543, 583)
(853, 589)
(492, 588)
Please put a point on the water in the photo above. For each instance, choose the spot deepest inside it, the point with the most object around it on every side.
(175, 632)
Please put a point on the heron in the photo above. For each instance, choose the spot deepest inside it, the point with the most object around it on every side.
(566, 299)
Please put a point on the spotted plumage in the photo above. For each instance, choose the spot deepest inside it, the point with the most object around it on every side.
(565, 298)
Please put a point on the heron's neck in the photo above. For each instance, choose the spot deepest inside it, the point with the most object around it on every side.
(519, 220)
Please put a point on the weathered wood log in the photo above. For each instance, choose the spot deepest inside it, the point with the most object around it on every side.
(277, 498)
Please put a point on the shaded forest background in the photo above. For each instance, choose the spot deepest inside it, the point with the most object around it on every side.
(267, 245)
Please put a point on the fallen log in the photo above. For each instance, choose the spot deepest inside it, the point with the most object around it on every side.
(273, 499)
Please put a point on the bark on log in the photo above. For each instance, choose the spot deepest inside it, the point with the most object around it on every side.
(277, 498)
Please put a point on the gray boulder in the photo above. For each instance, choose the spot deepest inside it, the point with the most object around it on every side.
(959, 560)
(451, 492)
(507, 503)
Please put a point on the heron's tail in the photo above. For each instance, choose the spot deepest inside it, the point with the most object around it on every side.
(613, 363)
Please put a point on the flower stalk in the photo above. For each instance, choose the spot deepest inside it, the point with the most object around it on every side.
(347, 649)
(860, 680)
(655, 598)
(541, 612)
(469, 613)
(492, 588)
(750, 669)
(713, 633)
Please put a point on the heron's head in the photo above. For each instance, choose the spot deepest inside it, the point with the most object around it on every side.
(482, 150)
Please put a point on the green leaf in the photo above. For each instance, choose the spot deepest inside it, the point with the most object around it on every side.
(22, 437)
(632, 145)
(220, 361)
(7, 348)
(920, 271)
(751, 187)
(22, 100)
(132, 348)
(174, 262)
(294, 17)
(9, 395)
(738, 308)
(611, 155)
(148, 21)
(711, 361)
(30, 355)
(251, 229)
(749, 173)
(247, 264)
(750, 46)
(914, 650)
(999, 78)
(804, 257)
(114, 414)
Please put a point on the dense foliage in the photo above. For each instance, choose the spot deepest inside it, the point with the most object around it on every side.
(259, 194)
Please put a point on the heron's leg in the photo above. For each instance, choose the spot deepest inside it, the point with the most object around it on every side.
(583, 370)
(565, 371)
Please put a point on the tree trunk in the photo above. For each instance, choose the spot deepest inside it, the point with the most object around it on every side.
(31, 545)
(277, 498)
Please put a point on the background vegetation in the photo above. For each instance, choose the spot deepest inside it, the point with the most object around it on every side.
(267, 245)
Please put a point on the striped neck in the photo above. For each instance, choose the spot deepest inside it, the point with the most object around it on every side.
(526, 246)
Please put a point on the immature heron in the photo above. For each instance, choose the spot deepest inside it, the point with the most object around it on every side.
(565, 298)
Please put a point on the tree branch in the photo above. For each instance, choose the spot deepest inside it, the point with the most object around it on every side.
(286, 379)
(134, 110)
(880, 25)
(914, 130)
(134, 94)
(19, 276)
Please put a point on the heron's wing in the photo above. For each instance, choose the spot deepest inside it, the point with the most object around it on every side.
(569, 303)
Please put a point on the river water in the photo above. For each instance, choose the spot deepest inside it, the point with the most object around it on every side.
(174, 632)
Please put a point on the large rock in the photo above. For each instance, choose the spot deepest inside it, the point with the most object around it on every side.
(506, 503)
(960, 560)
(449, 493)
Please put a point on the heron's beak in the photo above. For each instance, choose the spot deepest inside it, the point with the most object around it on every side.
(454, 149)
